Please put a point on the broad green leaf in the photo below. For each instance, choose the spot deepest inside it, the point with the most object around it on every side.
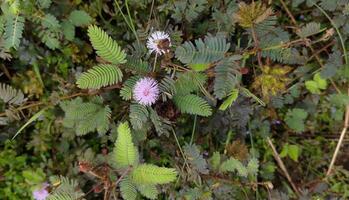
(295, 119)
(293, 152)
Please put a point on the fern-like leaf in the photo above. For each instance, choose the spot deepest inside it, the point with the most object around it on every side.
(105, 46)
(10, 95)
(100, 76)
(308, 30)
(206, 51)
(67, 190)
(128, 189)
(86, 117)
(167, 87)
(137, 65)
(151, 174)
(125, 152)
(127, 87)
(13, 31)
(226, 77)
(193, 104)
(149, 191)
(138, 116)
(189, 82)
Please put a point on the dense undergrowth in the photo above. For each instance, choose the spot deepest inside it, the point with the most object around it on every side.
(185, 99)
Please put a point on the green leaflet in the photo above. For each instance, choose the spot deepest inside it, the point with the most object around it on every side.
(205, 52)
(13, 31)
(128, 189)
(86, 117)
(148, 191)
(151, 174)
(10, 95)
(105, 46)
(295, 119)
(100, 76)
(79, 18)
(125, 153)
(232, 165)
(193, 104)
(230, 100)
(317, 84)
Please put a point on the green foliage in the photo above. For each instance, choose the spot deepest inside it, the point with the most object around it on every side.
(86, 117)
(151, 174)
(149, 191)
(80, 18)
(12, 165)
(226, 76)
(13, 30)
(137, 65)
(184, 10)
(162, 126)
(240, 68)
(295, 119)
(128, 189)
(195, 159)
(192, 104)
(229, 101)
(105, 46)
(138, 115)
(100, 76)
(10, 95)
(207, 51)
(309, 30)
(233, 165)
(317, 84)
(291, 150)
(67, 190)
(215, 160)
(125, 154)
(126, 90)
(168, 88)
(189, 82)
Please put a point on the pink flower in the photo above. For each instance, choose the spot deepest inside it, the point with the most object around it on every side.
(146, 91)
(42, 193)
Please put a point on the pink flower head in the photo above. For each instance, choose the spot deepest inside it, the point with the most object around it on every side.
(146, 91)
(42, 193)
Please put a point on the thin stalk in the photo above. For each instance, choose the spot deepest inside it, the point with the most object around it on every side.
(129, 23)
(154, 65)
(180, 149)
(193, 130)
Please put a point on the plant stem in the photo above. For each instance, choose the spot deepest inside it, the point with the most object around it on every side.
(340, 141)
(193, 130)
(180, 149)
(282, 166)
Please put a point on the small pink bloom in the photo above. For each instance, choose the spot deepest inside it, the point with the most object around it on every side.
(146, 91)
(42, 193)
